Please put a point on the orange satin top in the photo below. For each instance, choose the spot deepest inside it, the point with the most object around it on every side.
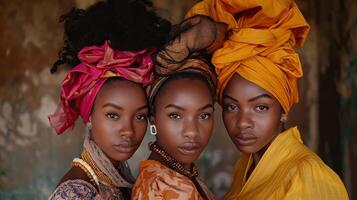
(157, 181)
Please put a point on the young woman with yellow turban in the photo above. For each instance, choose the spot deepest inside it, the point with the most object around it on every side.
(257, 70)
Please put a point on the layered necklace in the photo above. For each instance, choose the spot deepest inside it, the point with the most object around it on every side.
(87, 164)
(178, 167)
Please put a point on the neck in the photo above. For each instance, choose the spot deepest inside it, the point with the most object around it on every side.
(258, 155)
(187, 166)
(114, 162)
(155, 156)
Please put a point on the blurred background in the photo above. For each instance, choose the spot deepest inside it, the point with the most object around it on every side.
(33, 158)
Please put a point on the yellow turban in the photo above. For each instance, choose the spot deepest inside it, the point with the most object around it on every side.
(261, 45)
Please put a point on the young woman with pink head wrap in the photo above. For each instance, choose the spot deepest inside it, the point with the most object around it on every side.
(109, 47)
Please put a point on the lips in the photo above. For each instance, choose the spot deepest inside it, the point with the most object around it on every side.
(245, 140)
(189, 148)
(125, 147)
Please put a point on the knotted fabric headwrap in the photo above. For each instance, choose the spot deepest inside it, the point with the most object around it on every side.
(83, 82)
(260, 48)
(184, 53)
(188, 66)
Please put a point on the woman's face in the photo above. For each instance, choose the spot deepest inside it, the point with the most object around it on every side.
(119, 119)
(184, 118)
(251, 115)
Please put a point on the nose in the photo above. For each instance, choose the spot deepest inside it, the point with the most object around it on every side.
(191, 129)
(244, 121)
(127, 130)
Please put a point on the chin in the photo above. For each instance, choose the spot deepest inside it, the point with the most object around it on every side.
(246, 149)
(187, 160)
(122, 156)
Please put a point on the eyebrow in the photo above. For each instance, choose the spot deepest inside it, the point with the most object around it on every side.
(180, 108)
(260, 96)
(174, 106)
(250, 100)
(206, 106)
(120, 108)
(112, 105)
(229, 97)
(142, 107)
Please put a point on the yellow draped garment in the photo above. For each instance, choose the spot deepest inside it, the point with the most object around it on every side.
(156, 181)
(263, 35)
(287, 170)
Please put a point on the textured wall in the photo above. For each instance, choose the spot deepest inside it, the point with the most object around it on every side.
(33, 158)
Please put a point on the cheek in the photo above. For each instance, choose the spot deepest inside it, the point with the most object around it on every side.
(268, 125)
(140, 130)
(168, 131)
(166, 125)
(206, 132)
(229, 121)
(168, 138)
(100, 129)
(100, 136)
(207, 126)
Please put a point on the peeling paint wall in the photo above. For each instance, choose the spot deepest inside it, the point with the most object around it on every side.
(33, 158)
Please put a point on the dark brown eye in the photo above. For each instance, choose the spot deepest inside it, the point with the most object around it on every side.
(261, 108)
(205, 116)
(174, 116)
(140, 117)
(230, 107)
(113, 116)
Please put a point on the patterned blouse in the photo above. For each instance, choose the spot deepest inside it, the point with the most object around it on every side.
(80, 189)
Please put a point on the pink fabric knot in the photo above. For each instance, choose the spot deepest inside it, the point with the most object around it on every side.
(82, 83)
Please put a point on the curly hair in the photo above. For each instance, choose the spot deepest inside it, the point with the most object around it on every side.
(127, 24)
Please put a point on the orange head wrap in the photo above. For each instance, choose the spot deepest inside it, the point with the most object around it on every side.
(260, 48)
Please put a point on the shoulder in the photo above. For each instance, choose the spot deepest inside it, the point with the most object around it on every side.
(73, 190)
(314, 169)
(313, 178)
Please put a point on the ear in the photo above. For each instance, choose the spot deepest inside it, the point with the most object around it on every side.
(152, 119)
(284, 118)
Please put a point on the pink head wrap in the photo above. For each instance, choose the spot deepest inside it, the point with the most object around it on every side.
(83, 82)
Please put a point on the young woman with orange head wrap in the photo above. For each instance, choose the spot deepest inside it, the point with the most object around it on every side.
(257, 70)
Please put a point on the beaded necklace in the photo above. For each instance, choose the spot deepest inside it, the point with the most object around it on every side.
(172, 163)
